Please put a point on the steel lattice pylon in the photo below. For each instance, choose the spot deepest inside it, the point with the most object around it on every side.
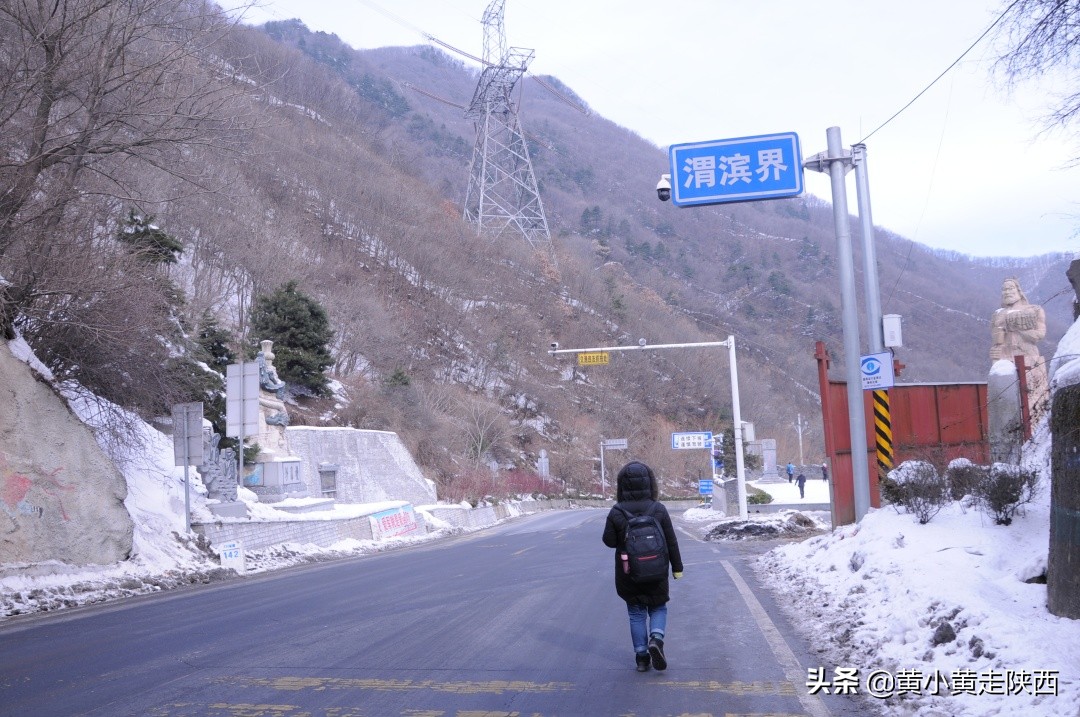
(502, 194)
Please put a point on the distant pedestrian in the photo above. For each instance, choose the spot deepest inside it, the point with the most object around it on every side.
(790, 471)
(801, 482)
(646, 602)
(824, 471)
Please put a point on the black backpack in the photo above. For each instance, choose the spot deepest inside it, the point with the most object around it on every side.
(644, 546)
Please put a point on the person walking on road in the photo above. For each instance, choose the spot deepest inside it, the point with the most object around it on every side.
(801, 482)
(790, 471)
(824, 471)
(646, 602)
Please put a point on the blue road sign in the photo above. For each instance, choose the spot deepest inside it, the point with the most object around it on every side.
(742, 169)
(705, 487)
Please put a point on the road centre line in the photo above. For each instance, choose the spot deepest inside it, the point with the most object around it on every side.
(783, 654)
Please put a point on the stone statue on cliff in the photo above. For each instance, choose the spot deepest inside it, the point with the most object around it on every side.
(1015, 330)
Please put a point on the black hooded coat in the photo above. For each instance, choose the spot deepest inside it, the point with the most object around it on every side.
(637, 490)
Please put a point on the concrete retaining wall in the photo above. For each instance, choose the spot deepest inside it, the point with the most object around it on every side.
(324, 533)
(483, 516)
(373, 466)
(264, 534)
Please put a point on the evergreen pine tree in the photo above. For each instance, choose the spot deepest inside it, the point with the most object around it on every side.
(150, 242)
(214, 343)
(300, 329)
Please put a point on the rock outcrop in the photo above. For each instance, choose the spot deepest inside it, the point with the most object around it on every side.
(61, 497)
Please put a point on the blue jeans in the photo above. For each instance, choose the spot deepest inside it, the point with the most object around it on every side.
(640, 630)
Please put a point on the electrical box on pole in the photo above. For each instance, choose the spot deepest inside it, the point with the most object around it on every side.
(893, 336)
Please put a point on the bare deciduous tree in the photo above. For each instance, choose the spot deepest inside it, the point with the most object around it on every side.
(87, 88)
(1040, 37)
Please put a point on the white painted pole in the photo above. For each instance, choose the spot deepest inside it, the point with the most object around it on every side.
(603, 487)
(798, 427)
(736, 416)
(871, 289)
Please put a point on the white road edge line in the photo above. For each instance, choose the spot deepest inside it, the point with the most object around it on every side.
(790, 664)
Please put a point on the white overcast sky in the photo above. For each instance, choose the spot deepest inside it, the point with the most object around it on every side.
(965, 168)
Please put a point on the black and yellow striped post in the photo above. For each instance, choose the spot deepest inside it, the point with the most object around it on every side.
(883, 432)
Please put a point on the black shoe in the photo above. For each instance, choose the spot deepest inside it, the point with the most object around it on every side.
(656, 650)
(642, 661)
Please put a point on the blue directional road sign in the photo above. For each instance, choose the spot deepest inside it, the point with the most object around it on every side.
(705, 486)
(742, 169)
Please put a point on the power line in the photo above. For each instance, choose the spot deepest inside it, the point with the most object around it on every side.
(481, 61)
(943, 72)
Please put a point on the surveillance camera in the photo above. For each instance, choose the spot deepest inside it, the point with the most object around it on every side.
(663, 187)
(641, 342)
(554, 345)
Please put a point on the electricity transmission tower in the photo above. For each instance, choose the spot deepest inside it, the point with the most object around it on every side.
(502, 194)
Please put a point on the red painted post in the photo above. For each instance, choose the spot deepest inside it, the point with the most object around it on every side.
(822, 356)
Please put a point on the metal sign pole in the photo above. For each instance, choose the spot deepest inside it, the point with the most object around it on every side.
(856, 417)
(870, 273)
(187, 421)
(187, 480)
(603, 487)
(243, 417)
(736, 416)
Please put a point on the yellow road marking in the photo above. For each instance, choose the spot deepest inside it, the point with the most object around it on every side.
(498, 687)
(319, 684)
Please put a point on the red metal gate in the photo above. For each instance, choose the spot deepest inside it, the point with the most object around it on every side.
(936, 422)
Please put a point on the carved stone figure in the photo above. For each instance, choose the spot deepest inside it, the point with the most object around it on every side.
(268, 377)
(218, 469)
(1015, 330)
(272, 414)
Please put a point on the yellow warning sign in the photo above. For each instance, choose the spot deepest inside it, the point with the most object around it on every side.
(593, 358)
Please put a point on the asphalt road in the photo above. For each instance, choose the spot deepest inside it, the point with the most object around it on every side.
(521, 620)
